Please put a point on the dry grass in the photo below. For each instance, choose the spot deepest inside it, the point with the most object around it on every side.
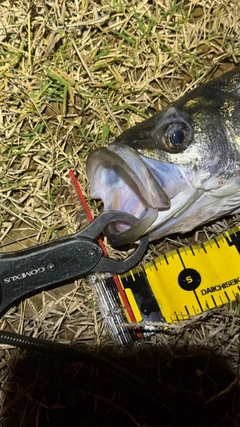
(73, 75)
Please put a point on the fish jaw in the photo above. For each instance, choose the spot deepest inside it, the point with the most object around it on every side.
(112, 185)
(127, 182)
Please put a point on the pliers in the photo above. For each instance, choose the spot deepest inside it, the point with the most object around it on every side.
(29, 271)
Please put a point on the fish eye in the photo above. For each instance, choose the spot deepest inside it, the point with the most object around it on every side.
(176, 136)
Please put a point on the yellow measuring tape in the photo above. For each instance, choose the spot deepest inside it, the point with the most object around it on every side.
(186, 281)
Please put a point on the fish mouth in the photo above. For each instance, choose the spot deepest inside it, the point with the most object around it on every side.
(129, 182)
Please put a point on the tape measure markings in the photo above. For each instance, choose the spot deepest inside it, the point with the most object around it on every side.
(137, 286)
(187, 281)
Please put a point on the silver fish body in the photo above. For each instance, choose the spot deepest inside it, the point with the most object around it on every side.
(178, 169)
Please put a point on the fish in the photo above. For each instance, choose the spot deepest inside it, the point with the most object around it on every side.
(177, 169)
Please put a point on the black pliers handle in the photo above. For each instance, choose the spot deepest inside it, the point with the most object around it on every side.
(26, 272)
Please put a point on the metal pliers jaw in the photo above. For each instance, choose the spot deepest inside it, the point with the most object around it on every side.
(106, 264)
(26, 272)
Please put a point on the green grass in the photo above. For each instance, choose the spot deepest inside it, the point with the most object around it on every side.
(73, 76)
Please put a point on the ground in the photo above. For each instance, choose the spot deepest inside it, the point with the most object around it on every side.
(73, 76)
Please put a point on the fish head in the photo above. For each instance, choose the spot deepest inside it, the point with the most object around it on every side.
(177, 169)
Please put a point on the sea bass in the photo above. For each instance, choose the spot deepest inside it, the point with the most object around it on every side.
(178, 169)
